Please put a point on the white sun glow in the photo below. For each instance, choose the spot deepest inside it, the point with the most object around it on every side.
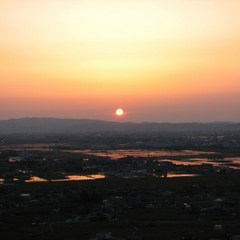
(119, 112)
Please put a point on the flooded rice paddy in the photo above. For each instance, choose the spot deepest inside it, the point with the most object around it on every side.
(176, 157)
(68, 178)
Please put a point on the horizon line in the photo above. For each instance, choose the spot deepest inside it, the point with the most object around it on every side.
(118, 120)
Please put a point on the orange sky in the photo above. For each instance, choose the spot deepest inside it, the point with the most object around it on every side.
(176, 60)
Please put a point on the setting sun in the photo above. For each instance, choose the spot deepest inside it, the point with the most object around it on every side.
(119, 112)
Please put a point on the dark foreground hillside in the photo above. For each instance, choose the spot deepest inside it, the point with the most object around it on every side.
(148, 208)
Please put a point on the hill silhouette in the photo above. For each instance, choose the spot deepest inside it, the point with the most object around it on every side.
(71, 126)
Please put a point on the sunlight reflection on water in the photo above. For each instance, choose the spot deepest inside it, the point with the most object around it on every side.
(68, 178)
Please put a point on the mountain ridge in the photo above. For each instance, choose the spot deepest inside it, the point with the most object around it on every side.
(63, 125)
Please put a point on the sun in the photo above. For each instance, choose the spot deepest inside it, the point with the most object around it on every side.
(119, 112)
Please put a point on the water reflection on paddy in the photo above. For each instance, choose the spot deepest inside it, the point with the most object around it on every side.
(36, 179)
(192, 162)
(121, 153)
(200, 161)
(174, 175)
(68, 178)
(191, 157)
(95, 177)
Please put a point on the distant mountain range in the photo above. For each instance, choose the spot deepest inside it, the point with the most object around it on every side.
(71, 126)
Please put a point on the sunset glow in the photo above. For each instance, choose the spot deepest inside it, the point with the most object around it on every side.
(119, 112)
(174, 60)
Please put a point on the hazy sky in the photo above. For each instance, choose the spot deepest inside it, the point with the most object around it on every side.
(173, 60)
